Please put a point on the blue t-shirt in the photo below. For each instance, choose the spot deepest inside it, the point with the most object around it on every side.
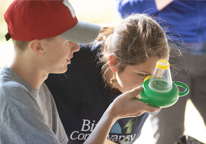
(184, 20)
(82, 97)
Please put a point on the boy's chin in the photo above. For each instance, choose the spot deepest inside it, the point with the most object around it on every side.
(60, 71)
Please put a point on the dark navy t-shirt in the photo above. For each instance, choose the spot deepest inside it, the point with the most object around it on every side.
(82, 97)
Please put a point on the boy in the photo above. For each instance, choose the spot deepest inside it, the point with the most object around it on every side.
(44, 34)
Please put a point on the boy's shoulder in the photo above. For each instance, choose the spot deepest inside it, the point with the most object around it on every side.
(7, 81)
(12, 90)
(16, 98)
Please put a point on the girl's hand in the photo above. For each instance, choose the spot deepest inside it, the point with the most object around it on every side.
(123, 106)
(126, 106)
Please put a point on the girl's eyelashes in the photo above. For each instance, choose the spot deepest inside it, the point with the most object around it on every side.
(142, 75)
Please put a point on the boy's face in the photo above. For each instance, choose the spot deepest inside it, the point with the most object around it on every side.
(58, 53)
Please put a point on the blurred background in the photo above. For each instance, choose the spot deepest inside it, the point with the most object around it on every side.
(103, 11)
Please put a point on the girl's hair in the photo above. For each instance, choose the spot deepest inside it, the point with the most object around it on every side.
(133, 41)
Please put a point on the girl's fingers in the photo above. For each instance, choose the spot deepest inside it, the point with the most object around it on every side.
(136, 91)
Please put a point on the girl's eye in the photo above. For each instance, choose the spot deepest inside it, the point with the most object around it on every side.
(142, 75)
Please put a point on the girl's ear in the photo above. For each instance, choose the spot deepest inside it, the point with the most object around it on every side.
(113, 63)
(36, 47)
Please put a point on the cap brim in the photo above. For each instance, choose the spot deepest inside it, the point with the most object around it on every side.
(82, 32)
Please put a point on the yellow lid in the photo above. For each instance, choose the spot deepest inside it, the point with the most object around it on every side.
(148, 77)
(163, 64)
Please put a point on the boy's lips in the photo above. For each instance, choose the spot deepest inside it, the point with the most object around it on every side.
(68, 60)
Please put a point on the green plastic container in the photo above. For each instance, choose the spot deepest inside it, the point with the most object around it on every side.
(162, 99)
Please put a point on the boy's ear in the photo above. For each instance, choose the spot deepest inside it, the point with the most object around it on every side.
(113, 62)
(36, 47)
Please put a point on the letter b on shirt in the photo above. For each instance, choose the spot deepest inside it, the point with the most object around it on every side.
(87, 125)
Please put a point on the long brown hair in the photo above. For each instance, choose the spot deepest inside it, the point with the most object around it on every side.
(134, 40)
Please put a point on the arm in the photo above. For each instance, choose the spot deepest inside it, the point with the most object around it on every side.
(160, 4)
(109, 142)
(122, 107)
(127, 7)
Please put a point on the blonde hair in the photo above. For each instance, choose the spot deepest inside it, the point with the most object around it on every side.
(22, 45)
(133, 41)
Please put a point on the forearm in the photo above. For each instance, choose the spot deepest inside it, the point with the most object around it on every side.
(101, 131)
(151, 7)
(123, 106)
(160, 4)
(127, 7)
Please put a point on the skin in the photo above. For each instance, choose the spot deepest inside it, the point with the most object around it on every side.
(160, 4)
(123, 106)
(42, 57)
(128, 82)
(56, 61)
(133, 76)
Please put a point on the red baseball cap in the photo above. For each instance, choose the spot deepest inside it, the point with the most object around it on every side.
(39, 19)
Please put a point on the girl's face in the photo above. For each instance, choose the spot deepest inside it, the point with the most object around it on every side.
(133, 75)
